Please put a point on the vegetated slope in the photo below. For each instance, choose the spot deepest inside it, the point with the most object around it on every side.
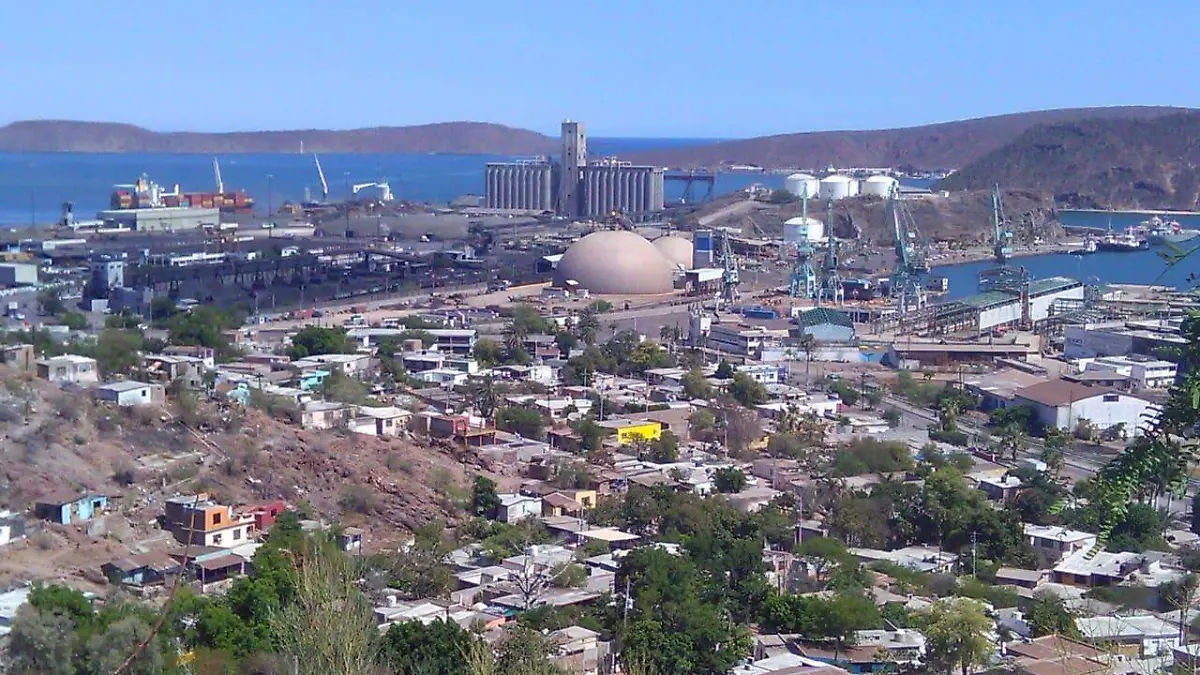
(1112, 163)
(935, 146)
(448, 137)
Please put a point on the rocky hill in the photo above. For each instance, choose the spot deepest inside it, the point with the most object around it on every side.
(448, 137)
(934, 146)
(1099, 163)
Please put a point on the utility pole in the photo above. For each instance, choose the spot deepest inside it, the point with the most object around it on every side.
(974, 557)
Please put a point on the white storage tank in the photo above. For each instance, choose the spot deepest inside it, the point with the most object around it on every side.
(801, 230)
(802, 185)
(838, 186)
(878, 185)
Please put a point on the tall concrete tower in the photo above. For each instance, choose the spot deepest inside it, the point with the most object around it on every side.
(574, 158)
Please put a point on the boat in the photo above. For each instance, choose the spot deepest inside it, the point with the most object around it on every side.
(1158, 232)
(146, 194)
(1125, 242)
(1088, 248)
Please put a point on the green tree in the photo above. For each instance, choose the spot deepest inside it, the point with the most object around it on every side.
(846, 392)
(318, 340)
(728, 480)
(523, 421)
(822, 555)
(724, 371)
(341, 387)
(664, 449)
(485, 501)
(696, 386)
(74, 321)
(118, 351)
(591, 435)
(957, 633)
(488, 352)
(747, 391)
(1048, 615)
(892, 417)
(41, 642)
(203, 326)
(482, 392)
(1054, 449)
(50, 302)
(436, 648)
(701, 424)
(781, 197)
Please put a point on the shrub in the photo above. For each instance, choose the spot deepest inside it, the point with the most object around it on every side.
(357, 498)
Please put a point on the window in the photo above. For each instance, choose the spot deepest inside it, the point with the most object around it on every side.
(1112, 398)
(217, 539)
(216, 519)
(237, 534)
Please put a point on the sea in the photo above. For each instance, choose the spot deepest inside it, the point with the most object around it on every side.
(33, 187)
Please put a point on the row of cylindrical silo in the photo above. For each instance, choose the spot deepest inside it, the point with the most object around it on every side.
(628, 189)
(837, 186)
(525, 187)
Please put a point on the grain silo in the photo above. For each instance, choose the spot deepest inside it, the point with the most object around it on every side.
(837, 186)
(878, 185)
(802, 185)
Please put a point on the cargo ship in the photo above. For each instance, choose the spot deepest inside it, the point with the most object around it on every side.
(146, 194)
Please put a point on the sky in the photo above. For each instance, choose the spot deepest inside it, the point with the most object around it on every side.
(649, 68)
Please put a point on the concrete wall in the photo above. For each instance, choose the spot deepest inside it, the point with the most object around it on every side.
(1082, 343)
(1002, 315)
(1116, 409)
(1039, 307)
(18, 274)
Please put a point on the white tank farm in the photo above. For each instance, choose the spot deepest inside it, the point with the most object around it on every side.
(837, 186)
(801, 230)
(878, 185)
(802, 185)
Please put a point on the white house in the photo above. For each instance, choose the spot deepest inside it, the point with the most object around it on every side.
(1062, 404)
(128, 393)
(1149, 635)
(380, 420)
(1144, 372)
(761, 372)
(69, 369)
(323, 414)
(1058, 541)
(514, 507)
(354, 365)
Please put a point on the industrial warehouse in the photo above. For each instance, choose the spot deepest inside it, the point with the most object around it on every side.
(576, 186)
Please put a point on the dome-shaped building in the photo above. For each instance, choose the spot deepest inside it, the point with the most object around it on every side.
(838, 186)
(801, 230)
(677, 251)
(615, 263)
(802, 185)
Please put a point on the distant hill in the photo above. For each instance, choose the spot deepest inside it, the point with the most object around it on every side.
(448, 137)
(935, 146)
(1099, 163)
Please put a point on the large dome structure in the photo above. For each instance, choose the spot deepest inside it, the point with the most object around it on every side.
(677, 251)
(615, 263)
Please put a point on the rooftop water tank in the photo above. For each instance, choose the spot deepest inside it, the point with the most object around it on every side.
(802, 185)
(878, 185)
(837, 186)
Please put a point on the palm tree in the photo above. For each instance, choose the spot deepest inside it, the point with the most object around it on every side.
(808, 343)
(483, 396)
(514, 337)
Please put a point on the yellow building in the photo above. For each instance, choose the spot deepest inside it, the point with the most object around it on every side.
(628, 431)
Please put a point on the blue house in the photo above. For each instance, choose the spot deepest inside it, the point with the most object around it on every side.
(141, 570)
(71, 508)
(311, 379)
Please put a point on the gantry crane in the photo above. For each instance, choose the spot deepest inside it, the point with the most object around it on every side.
(1001, 237)
(321, 175)
(803, 281)
(912, 259)
(730, 278)
(217, 175)
(831, 281)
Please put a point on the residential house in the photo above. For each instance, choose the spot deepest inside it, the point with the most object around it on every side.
(145, 569)
(1013, 576)
(68, 508)
(920, 558)
(219, 567)
(1063, 404)
(998, 488)
(514, 507)
(324, 414)
(1140, 636)
(311, 379)
(12, 527)
(579, 650)
(202, 522)
(466, 429)
(1057, 655)
(165, 369)
(10, 603)
(69, 369)
(455, 341)
(420, 362)
(206, 355)
(129, 393)
(353, 365)
(264, 514)
(568, 502)
(380, 420)
(1058, 542)
(1104, 568)
(351, 539)
(19, 357)
(627, 431)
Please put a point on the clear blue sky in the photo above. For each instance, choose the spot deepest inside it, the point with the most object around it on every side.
(626, 67)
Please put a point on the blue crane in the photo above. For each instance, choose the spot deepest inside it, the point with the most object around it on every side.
(912, 260)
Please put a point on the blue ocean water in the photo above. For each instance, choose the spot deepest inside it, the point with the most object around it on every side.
(1138, 267)
(34, 185)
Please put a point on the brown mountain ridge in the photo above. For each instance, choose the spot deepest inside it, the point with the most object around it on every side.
(446, 137)
(945, 145)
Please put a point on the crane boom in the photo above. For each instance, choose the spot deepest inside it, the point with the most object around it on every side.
(1001, 249)
(321, 175)
(217, 175)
